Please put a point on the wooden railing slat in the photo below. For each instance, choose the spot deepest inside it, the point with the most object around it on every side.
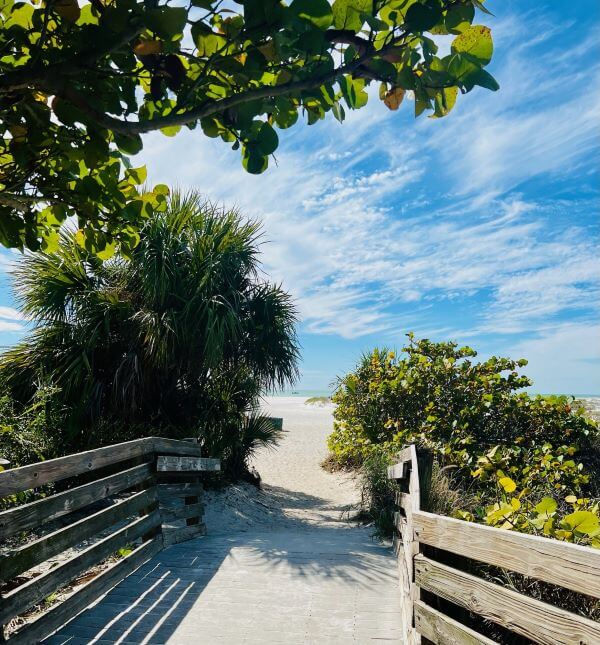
(33, 553)
(181, 512)
(46, 472)
(22, 598)
(567, 565)
(28, 516)
(443, 630)
(164, 446)
(184, 489)
(397, 471)
(536, 620)
(174, 464)
(34, 632)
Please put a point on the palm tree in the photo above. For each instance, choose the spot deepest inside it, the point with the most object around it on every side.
(184, 335)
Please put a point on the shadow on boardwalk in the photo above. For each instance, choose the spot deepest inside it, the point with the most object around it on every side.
(309, 580)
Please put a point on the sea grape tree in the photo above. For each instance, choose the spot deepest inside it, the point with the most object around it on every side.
(81, 83)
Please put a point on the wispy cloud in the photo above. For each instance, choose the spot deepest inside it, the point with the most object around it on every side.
(481, 223)
(10, 313)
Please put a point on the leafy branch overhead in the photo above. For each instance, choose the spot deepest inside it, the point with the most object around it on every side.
(79, 85)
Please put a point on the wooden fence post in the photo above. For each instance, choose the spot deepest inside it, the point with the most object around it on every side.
(180, 495)
(413, 473)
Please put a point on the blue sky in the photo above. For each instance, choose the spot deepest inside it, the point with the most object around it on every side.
(482, 227)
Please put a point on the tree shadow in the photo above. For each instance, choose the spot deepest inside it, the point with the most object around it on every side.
(239, 574)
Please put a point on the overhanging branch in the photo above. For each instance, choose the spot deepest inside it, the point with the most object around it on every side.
(63, 89)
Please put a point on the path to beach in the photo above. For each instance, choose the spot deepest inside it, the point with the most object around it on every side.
(279, 565)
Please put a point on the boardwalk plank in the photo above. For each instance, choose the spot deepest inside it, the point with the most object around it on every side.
(34, 632)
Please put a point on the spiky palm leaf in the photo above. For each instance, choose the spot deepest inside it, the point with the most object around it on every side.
(154, 339)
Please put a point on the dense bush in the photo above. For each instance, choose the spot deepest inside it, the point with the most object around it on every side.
(28, 433)
(524, 462)
(180, 339)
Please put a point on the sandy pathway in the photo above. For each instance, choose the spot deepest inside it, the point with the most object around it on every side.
(296, 491)
(279, 566)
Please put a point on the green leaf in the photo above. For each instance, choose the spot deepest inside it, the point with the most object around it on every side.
(107, 252)
(267, 139)
(354, 92)
(131, 145)
(50, 241)
(507, 484)
(136, 176)
(476, 42)
(170, 130)
(338, 111)
(584, 522)
(423, 16)
(459, 18)
(547, 506)
(444, 101)
(20, 15)
(166, 22)
(317, 12)
(207, 42)
(347, 13)
(253, 160)
(482, 78)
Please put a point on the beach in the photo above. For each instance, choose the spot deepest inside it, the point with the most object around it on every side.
(295, 491)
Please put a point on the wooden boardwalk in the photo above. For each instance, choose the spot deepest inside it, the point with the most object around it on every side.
(320, 584)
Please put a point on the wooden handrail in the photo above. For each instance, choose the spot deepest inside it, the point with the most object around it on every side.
(570, 566)
(54, 470)
(155, 503)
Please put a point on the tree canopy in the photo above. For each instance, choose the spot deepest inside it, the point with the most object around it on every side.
(185, 334)
(79, 85)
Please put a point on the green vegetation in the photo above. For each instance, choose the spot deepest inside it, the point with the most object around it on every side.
(503, 457)
(180, 340)
(317, 400)
(79, 85)
(27, 433)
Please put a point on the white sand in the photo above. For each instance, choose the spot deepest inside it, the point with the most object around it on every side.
(296, 492)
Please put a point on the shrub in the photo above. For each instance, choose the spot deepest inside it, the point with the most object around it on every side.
(508, 451)
(179, 339)
(27, 434)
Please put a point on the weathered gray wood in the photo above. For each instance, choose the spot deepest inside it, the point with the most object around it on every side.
(16, 561)
(406, 546)
(567, 565)
(397, 471)
(187, 489)
(539, 621)
(443, 630)
(46, 472)
(187, 464)
(177, 535)
(181, 512)
(163, 446)
(44, 510)
(276, 422)
(34, 632)
(22, 598)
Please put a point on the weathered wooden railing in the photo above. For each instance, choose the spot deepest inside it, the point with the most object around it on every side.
(139, 496)
(424, 538)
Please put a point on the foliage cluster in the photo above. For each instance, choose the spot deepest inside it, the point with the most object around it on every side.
(179, 340)
(27, 433)
(79, 85)
(526, 463)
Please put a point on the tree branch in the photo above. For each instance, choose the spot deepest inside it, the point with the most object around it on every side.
(62, 88)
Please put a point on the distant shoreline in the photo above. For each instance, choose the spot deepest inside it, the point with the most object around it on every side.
(311, 393)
